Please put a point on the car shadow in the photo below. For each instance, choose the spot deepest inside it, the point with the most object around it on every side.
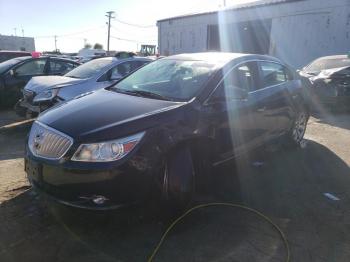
(286, 185)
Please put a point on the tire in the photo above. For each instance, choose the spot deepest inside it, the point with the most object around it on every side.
(178, 185)
(297, 132)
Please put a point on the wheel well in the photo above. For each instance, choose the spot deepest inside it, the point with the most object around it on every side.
(197, 145)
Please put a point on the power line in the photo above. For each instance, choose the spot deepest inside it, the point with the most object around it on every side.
(117, 30)
(135, 25)
(133, 40)
(70, 34)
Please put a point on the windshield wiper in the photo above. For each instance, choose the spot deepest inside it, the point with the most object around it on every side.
(142, 93)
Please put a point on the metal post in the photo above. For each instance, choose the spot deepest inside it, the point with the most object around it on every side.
(109, 15)
(55, 42)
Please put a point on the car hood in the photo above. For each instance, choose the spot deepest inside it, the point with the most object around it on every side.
(339, 72)
(104, 115)
(41, 83)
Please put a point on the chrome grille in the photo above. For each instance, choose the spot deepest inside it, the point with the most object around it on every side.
(47, 142)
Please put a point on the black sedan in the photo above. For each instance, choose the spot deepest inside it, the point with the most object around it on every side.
(328, 79)
(162, 128)
(15, 74)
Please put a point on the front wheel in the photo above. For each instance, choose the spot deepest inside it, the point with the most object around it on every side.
(178, 179)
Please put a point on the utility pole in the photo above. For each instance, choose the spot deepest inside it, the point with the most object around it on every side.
(22, 32)
(224, 3)
(85, 41)
(55, 42)
(109, 15)
(15, 31)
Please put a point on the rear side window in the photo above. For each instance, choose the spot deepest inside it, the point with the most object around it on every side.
(137, 64)
(121, 70)
(60, 67)
(272, 74)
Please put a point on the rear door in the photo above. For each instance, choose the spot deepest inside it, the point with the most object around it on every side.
(275, 98)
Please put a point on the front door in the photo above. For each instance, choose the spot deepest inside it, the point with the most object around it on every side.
(237, 123)
(15, 82)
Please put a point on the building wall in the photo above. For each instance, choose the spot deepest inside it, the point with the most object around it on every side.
(16, 43)
(301, 31)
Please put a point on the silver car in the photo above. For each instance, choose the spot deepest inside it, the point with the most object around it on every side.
(43, 92)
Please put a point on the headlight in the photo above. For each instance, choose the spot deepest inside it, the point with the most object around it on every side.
(45, 95)
(107, 151)
(325, 74)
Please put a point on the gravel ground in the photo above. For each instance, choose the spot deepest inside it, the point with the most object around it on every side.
(286, 185)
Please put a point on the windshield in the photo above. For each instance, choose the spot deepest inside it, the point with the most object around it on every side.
(327, 63)
(175, 79)
(91, 68)
(4, 66)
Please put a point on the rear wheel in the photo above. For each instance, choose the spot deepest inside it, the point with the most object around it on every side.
(178, 185)
(296, 135)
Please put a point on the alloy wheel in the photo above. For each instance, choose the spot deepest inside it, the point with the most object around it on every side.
(299, 127)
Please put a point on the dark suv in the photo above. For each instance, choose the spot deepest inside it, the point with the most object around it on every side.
(163, 127)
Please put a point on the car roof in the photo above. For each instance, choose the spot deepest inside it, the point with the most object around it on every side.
(21, 58)
(122, 59)
(62, 59)
(220, 57)
(334, 57)
(13, 52)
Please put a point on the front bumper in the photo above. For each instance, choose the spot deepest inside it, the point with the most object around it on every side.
(330, 93)
(28, 106)
(97, 189)
(36, 108)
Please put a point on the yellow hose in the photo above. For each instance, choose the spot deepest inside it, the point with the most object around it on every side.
(284, 238)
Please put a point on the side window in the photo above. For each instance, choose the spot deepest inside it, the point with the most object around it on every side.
(243, 76)
(272, 74)
(60, 67)
(121, 70)
(34, 67)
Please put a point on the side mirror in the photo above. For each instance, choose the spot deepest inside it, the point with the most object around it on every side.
(298, 71)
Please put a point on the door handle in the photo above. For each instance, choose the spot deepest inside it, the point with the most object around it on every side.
(262, 109)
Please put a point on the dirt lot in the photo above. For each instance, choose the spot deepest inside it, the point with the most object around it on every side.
(287, 186)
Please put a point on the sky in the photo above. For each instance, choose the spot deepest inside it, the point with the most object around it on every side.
(80, 21)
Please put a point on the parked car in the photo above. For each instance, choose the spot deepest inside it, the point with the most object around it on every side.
(43, 92)
(15, 74)
(7, 55)
(328, 79)
(163, 127)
